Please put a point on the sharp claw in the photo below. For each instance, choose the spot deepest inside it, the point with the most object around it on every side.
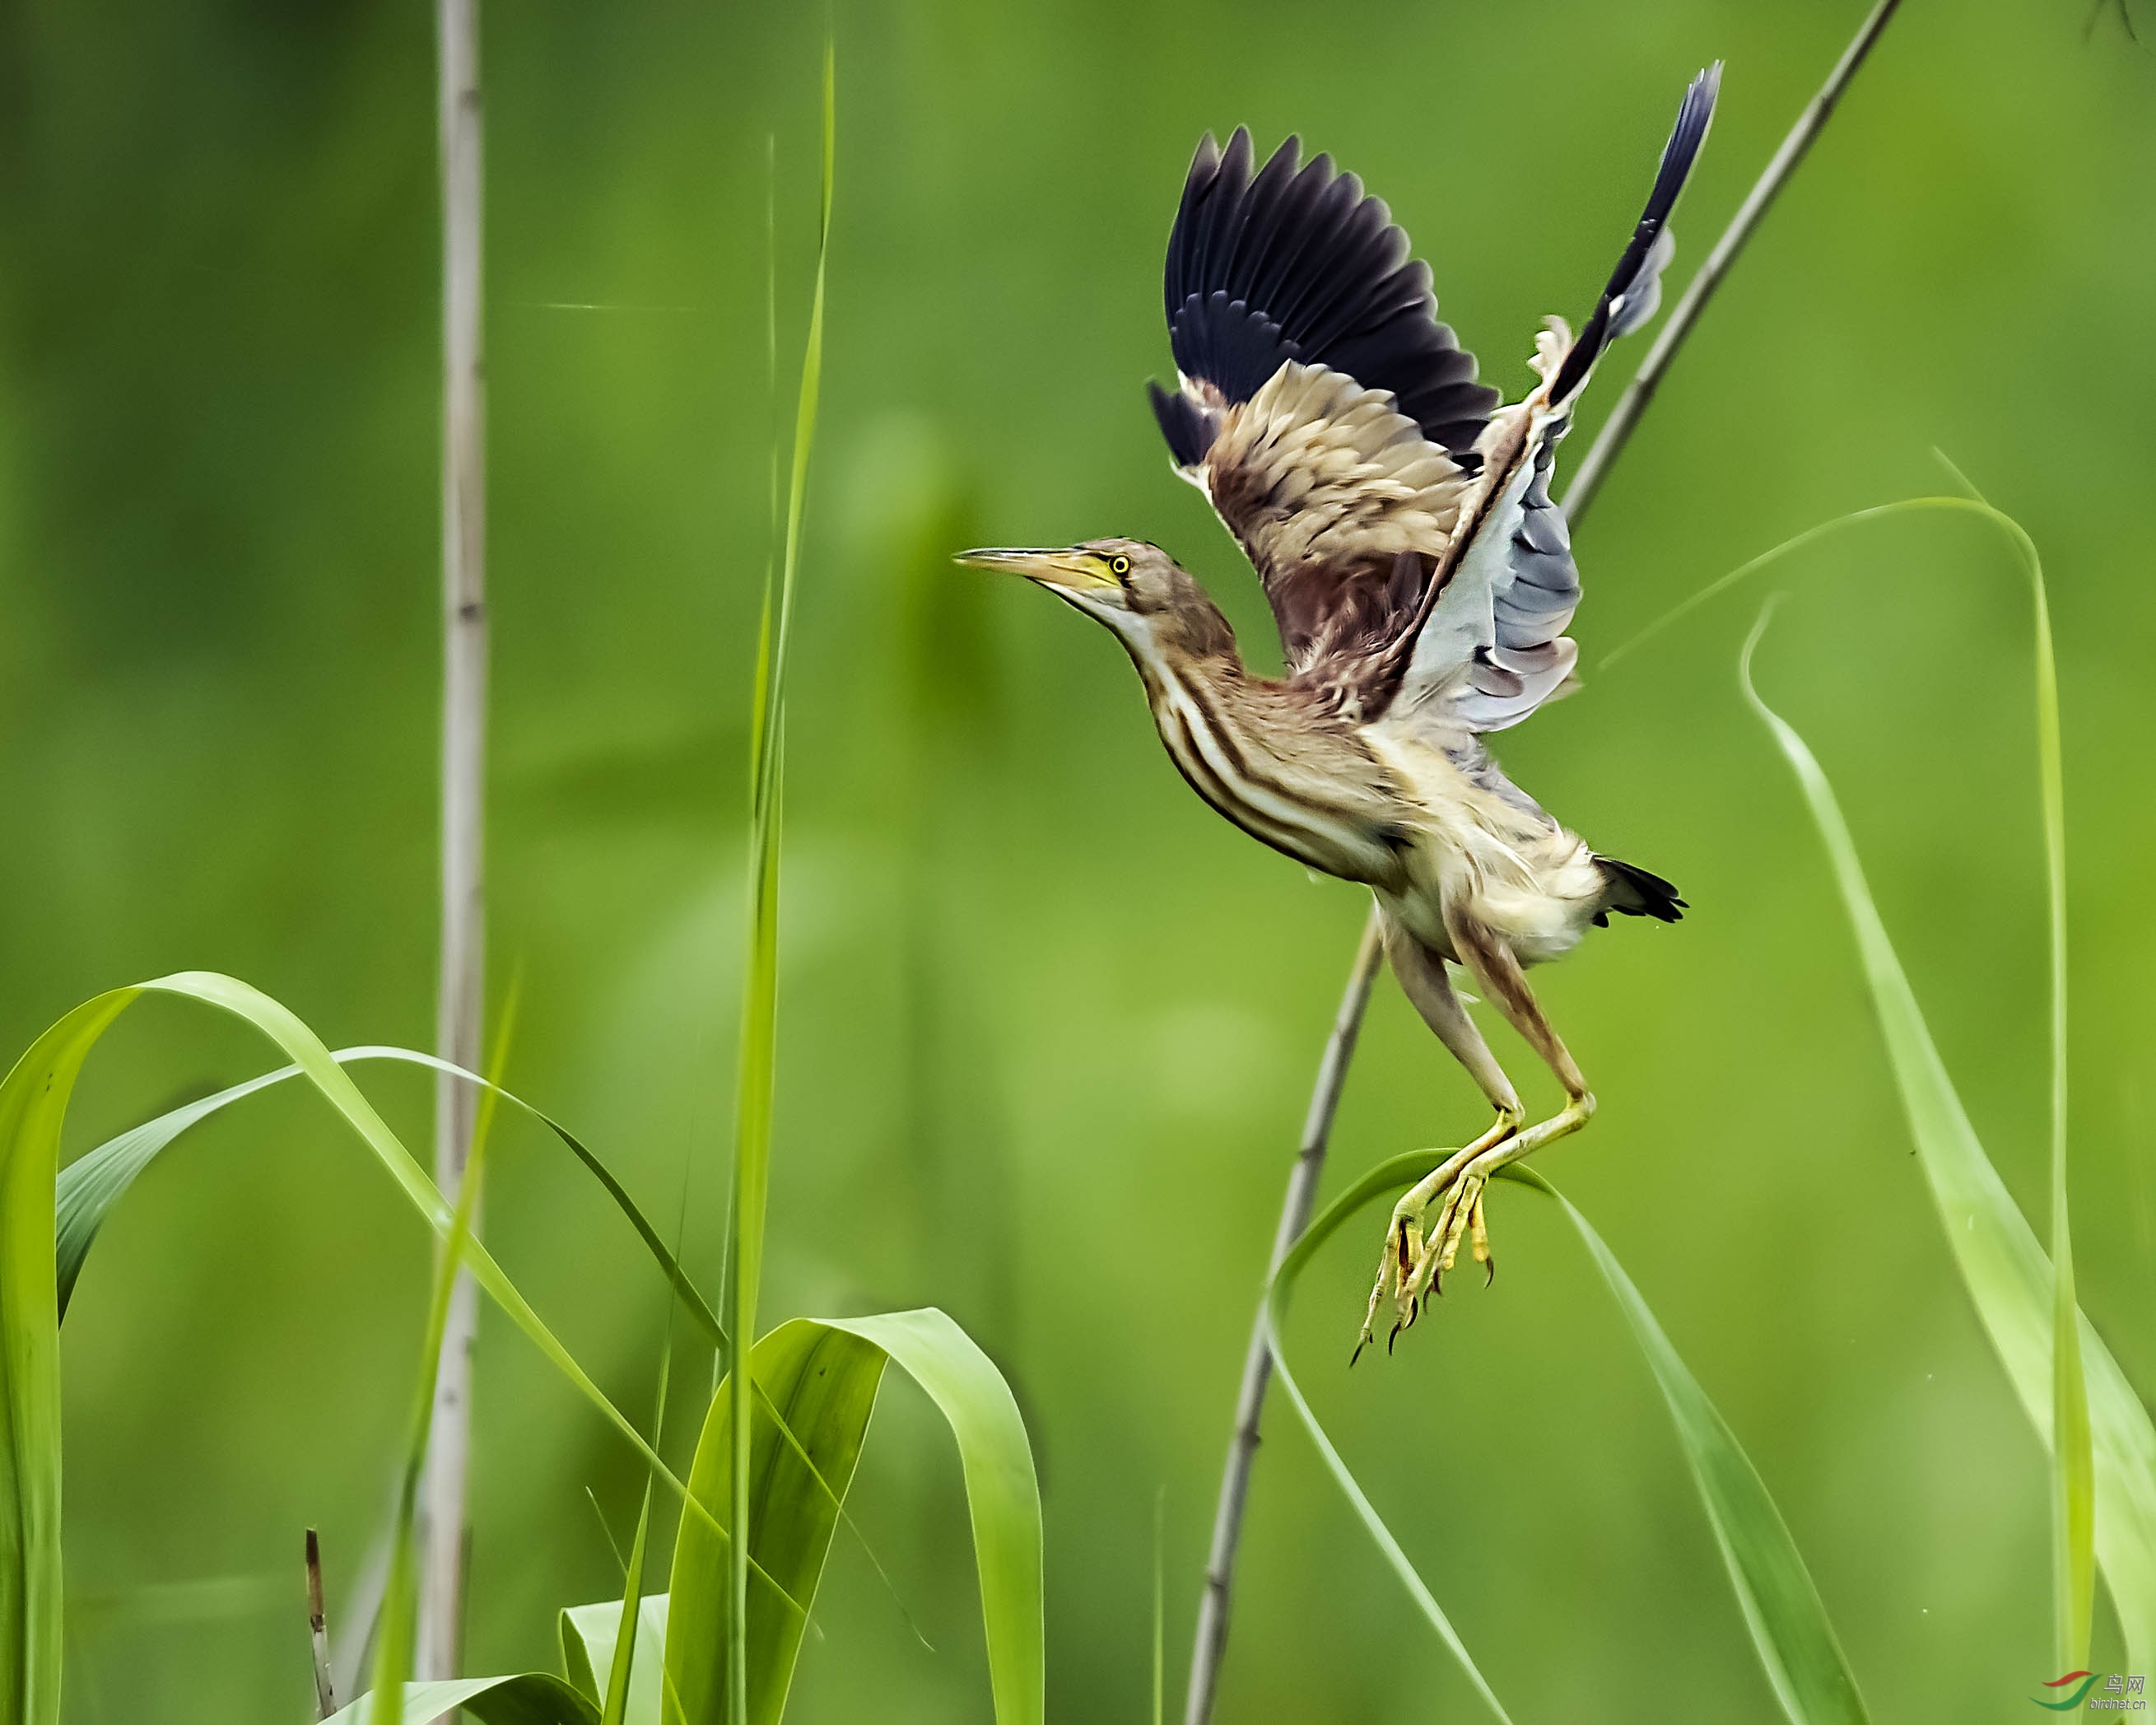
(1489, 1271)
(1414, 1311)
(1357, 1353)
(1389, 1340)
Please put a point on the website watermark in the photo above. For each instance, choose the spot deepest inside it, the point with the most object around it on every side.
(2097, 1692)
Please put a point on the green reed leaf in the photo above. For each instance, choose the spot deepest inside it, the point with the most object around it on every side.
(1388, 1177)
(2009, 1279)
(33, 1102)
(533, 1698)
(91, 1184)
(1795, 1640)
(1789, 1627)
(621, 1669)
(754, 1079)
(823, 1376)
(1003, 1493)
(591, 1639)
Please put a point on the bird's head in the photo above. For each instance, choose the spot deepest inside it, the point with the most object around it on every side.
(1153, 604)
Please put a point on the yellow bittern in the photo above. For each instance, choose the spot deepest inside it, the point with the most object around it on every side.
(1400, 522)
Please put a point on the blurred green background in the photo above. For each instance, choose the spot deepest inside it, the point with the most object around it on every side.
(1048, 1024)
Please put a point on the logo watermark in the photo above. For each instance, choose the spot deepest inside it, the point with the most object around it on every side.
(2117, 1692)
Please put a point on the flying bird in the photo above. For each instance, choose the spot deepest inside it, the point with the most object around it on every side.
(1399, 519)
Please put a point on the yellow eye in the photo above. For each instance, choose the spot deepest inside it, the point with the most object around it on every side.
(1120, 567)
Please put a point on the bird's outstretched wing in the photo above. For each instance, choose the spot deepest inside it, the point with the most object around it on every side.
(1322, 406)
(1492, 648)
(1338, 429)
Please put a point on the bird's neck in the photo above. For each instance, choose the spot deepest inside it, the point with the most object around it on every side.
(1261, 755)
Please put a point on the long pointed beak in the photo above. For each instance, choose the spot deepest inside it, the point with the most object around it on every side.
(1077, 570)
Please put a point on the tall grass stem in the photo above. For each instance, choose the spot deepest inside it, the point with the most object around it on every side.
(318, 1632)
(1617, 430)
(751, 1188)
(460, 992)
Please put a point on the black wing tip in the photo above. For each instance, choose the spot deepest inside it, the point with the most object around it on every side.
(1695, 116)
(1635, 891)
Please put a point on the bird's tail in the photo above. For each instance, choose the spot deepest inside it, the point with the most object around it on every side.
(1631, 891)
(1635, 285)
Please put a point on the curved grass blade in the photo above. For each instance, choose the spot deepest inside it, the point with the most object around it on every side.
(823, 1384)
(590, 1639)
(823, 1374)
(2073, 1460)
(2009, 1279)
(1782, 1607)
(1794, 1639)
(2073, 1471)
(532, 1698)
(1003, 1493)
(33, 1102)
(92, 1183)
(1387, 1177)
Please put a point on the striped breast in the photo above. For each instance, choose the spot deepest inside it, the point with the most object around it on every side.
(1316, 796)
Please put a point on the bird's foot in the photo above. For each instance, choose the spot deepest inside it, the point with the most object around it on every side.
(1408, 1267)
(1446, 1211)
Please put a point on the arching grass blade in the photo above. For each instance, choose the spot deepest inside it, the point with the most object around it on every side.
(1782, 1607)
(533, 1698)
(2008, 1277)
(1387, 1177)
(823, 1375)
(1790, 1630)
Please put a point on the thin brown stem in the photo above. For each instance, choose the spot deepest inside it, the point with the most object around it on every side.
(318, 1630)
(1617, 431)
(1258, 1361)
(1212, 1641)
(463, 768)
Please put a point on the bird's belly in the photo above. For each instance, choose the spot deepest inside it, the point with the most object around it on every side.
(1538, 900)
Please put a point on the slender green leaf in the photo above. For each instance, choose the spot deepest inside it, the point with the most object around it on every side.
(1388, 1177)
(1159, 1616)
(823, 1382)
(1003, 1493)
(823, 1375)
(1782, 1607)
(752, 1180)
(621, 1669)
(533, 1698)
(590, 1638)
(2008, 1277)
(33, 1103)
(2073, 1458)
(92, 1183)
(392, 1657)
(1789, 1628)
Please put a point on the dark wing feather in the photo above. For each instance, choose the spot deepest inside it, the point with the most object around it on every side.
(1295, 263)
(1291, 296)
